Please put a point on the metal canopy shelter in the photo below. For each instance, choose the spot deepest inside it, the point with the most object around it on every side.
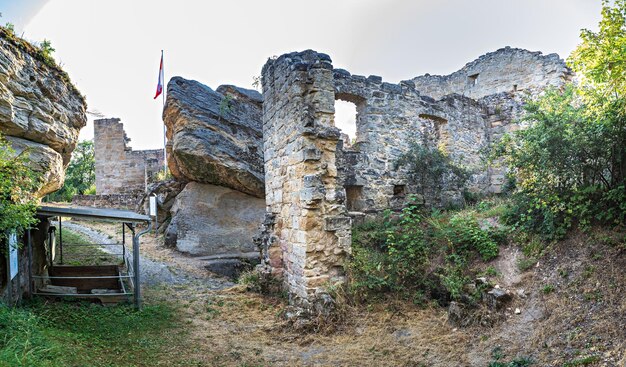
(128, 219)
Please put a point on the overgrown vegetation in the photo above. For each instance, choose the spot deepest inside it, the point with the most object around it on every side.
(570, 164)
(80, 176)
(419, 255)
(18, 182)
(432, 171)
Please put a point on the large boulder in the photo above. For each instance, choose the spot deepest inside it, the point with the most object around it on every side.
(165, 192)
(213, 220)
(40, 110)
(215, 136)
(46, 162)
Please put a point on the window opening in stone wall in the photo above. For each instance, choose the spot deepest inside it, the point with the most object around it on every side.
(354, 198)
(399, 191)
(345, 120)
(471, 80)
(441, 137)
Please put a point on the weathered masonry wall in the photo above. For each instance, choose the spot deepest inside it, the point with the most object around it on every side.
(119, 169)
(113, 201)
(505, 70)
(313, 183)
(305, 201)
(391, 117)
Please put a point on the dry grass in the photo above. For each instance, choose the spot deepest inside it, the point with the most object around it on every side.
(583, 316)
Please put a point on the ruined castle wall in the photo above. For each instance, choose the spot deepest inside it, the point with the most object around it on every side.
(391, 117)
(505, 70)
(310, 235)
(313, 180)
(119, 169)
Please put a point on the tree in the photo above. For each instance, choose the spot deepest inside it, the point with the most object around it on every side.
(570, 164)
(17, 185)
(80, 176)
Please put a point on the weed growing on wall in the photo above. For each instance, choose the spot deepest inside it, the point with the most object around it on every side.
(432, 171)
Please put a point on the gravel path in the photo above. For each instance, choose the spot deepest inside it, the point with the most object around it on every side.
(152, 272)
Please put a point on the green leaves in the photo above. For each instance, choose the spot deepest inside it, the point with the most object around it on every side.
(432, 171)
(417, 253)
(18, 183)
(570, 163)
(80, 176)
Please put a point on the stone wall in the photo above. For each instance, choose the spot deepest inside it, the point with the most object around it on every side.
(505, 70)
(313, 180)
(310, 230)
(112, 201)
(392, 117)
(120, 169)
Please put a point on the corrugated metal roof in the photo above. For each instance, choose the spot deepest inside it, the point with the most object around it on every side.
(86, 212)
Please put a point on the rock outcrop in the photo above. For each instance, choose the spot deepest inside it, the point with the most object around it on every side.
(215, 151)
(213, 220)
(41, 112)
(215, 136)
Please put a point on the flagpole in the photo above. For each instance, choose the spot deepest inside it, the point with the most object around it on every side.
(164, 136)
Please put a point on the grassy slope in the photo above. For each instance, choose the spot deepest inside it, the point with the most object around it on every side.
(579, 321)
(84, 253)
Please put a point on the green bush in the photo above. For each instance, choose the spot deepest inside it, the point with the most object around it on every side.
(432, 171)
(414, 254)
(570, 164)
(466, 235)
(17, 185)
(80, 176)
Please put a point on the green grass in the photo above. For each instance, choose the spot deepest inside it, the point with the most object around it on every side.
(582, 361)
(79, 334)
(85, 254)
(526, 263)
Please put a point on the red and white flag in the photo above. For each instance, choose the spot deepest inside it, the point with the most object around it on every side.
(159, 88)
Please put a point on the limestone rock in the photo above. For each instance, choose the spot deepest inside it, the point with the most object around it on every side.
(44, 161)
(165, 192)
(41, 112)
(215, 136)
(37, 102)
(232, 266)
(210, 220)
(496, 298)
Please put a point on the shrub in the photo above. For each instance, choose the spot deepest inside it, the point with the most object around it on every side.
(17, 185)
(570, 164)
(416, 254)
(432, 171)
(466, 235)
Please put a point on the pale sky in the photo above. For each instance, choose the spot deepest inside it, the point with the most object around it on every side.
(111, 48)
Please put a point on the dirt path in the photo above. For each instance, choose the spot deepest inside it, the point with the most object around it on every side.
(227, 326)
(155, 269)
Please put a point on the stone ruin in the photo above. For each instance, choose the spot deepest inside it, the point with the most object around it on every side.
(122, 174)
(241, 159)
(119, 168)
(238, 156)
(316, 184)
